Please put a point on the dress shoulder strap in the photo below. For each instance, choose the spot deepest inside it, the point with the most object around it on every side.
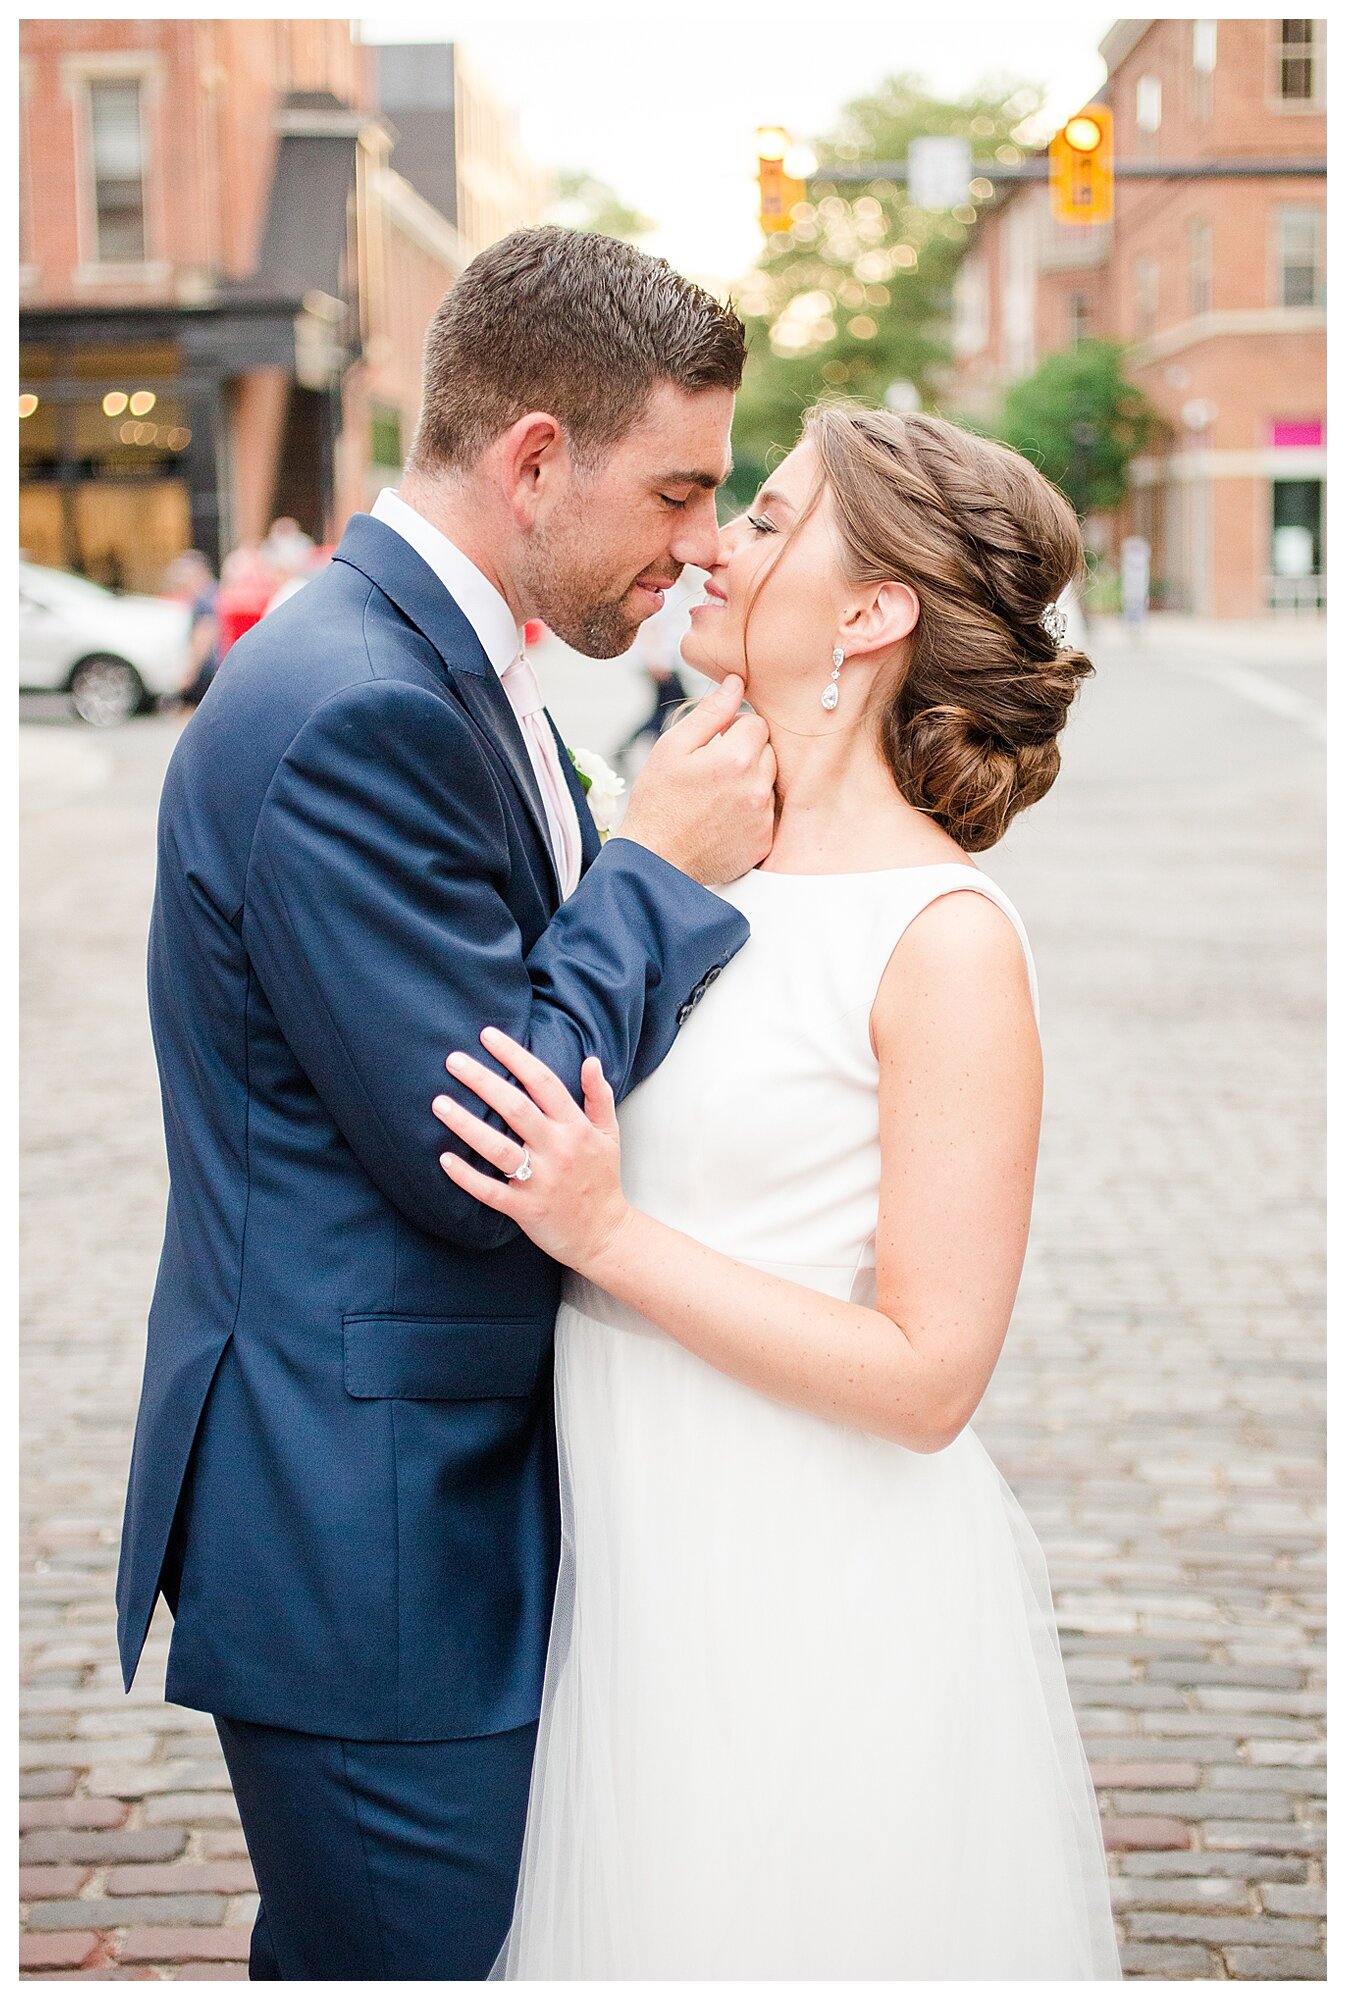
(925, 886)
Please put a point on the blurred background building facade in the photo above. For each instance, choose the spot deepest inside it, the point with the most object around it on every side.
(234, 234)
(226, 275)
(1216, 284)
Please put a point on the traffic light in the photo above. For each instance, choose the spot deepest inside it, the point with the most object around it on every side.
(779, 190)
(1079, 167)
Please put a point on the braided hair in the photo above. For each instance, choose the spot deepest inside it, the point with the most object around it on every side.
(987, 544)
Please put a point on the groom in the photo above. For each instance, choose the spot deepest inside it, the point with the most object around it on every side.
(372, 843)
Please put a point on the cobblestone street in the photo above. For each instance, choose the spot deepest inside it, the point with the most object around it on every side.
(1158, 1409)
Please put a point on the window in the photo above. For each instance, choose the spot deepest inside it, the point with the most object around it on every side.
(1299, 257)
(1077, 318)
(117, 155)
(1199, 265)
(1203, 68)
(1147, 297)
(1149, 103)
(1297, 62)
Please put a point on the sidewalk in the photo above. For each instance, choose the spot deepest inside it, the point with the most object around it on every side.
(1266, 642)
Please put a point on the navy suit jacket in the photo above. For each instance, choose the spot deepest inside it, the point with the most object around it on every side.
(344, 1474)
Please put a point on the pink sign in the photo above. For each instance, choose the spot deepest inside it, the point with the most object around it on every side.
(1301, 434)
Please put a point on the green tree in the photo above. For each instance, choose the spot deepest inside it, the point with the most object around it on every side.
(1080, 420)
(581, 201)
(857, 294)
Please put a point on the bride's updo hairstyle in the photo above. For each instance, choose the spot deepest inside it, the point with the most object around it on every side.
(987, 544)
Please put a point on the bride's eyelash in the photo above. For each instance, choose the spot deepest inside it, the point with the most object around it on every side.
(762, 525)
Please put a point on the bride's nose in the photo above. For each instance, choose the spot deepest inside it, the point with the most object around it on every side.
(732, 535)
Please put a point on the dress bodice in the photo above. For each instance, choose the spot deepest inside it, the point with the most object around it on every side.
(759, 1133)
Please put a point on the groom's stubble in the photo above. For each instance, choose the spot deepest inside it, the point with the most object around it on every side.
(580, 592)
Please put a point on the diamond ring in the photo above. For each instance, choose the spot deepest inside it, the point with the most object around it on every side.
(524, 1170)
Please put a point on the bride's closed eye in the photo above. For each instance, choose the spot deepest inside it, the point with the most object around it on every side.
(761, 524)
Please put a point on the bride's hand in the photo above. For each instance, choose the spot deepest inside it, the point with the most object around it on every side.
(571, 1204)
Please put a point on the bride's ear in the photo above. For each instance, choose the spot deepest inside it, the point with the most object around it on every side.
(880, 619)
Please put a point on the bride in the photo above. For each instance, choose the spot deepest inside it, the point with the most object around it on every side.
(805, 1714)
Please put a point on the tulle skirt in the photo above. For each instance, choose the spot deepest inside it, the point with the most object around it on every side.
(805, 1714)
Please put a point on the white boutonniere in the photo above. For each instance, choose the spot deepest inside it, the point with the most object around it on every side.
(602, 788)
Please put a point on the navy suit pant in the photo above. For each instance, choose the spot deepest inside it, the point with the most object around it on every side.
(380, 1860)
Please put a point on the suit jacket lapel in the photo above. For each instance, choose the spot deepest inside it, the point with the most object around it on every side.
(488, 702)
(395, 568)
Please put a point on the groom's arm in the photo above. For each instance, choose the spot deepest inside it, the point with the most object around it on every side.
(377, 920)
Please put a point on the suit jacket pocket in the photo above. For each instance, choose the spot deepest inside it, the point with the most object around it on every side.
(440, 1360)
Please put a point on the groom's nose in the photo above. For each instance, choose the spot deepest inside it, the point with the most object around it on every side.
(696, 542)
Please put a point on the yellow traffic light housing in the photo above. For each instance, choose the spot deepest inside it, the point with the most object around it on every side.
(1079, 167)
(778, 190)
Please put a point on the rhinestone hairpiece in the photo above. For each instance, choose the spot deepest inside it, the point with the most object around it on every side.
(1054, 624)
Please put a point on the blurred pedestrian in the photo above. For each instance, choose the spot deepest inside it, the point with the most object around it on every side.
(1135, 583)
(286, 548)
(300, 565)
(191, 580)
(247, 585)
(669, 695)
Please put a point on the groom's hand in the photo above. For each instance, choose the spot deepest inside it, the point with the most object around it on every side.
(705, 800)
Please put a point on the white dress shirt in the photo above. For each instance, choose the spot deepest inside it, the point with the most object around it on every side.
(493, 622)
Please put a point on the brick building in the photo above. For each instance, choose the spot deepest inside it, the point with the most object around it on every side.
(1215, 282)
(225, 280)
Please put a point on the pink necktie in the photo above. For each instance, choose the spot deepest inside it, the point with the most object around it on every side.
(525, 696)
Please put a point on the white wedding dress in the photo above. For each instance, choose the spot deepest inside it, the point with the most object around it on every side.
(805, 1714)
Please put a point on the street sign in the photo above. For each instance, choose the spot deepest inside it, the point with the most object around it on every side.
(1079, 167)
(938, 172)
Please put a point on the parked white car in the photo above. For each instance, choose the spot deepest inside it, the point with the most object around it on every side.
(112, 655)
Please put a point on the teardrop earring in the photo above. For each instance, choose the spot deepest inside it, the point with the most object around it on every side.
(831, 694)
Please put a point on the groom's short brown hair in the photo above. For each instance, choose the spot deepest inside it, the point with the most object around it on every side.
(571, 322)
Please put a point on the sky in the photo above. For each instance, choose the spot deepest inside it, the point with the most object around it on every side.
(664, 105)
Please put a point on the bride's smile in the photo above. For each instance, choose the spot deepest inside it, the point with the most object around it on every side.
(780, 606)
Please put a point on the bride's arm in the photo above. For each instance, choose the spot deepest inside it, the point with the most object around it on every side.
(960, 1099)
